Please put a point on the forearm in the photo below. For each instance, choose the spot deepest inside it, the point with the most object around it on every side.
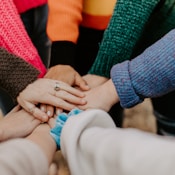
(112, 150)
(43, 139)
(151, 74)
(76, 135)
(124, 30)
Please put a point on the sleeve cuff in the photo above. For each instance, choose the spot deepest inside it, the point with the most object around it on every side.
(122, 81)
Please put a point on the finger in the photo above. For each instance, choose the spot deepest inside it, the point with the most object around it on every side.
(47, 98)
(58, 111)
(43, 107)
(50, 100)
(81, 83)
(50, 110)
(70, 98)
(36, 112)
(53, 169)
(64, 105)
(51, 122)
(71, 90)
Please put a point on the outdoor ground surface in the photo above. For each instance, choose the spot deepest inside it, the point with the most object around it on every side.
(140, 116)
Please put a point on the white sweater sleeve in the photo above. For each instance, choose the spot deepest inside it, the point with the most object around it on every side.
(22, 157)
(92, 145)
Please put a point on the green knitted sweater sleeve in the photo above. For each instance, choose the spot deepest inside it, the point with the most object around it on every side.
(125, 28)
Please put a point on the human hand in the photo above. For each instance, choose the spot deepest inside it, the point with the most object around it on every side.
(41, 137)
(101, 97)
(94, 80)
(17, 123)
(68, 75)
(51, 111)
(52, 92)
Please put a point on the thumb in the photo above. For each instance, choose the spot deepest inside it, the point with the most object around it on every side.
(81, 83)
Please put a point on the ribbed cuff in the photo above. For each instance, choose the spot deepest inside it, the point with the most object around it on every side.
(121, 79)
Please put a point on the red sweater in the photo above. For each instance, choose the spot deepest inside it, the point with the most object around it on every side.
(24, 5)
(14, 38)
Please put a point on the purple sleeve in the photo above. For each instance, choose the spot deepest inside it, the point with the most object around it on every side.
(151, 74)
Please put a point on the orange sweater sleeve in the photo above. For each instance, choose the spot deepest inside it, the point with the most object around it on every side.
(64, 19)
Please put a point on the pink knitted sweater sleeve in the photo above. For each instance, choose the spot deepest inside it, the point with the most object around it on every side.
(24, 5)
(14, 37)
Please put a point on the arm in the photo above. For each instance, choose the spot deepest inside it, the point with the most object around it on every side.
(15, 39)
(151, 74)
(17, 123)
(63, 25)
(28, 156)
(68, 75)
(91, 143)
(125, 28)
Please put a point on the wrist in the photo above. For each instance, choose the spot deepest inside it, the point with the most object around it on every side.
(112, 96)
(43, 139)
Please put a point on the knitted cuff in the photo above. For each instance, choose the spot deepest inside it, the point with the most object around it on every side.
(126, 92)
(60, 121)
(15, 73)
(63, 52)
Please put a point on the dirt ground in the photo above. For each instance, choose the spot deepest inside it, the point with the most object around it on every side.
(140, 116)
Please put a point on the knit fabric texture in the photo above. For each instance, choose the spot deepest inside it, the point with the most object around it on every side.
(14, 37)
(15, 73)
(24, 5)
(126, 27)
(149, 75)
(60, 121)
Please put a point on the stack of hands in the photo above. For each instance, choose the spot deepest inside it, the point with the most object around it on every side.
(61, 90)
(64, 89)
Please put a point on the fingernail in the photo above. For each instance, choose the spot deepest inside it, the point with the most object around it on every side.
(58, 111)
(43, 108)
(48, 113)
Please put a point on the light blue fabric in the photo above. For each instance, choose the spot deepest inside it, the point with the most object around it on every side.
(60, 121)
